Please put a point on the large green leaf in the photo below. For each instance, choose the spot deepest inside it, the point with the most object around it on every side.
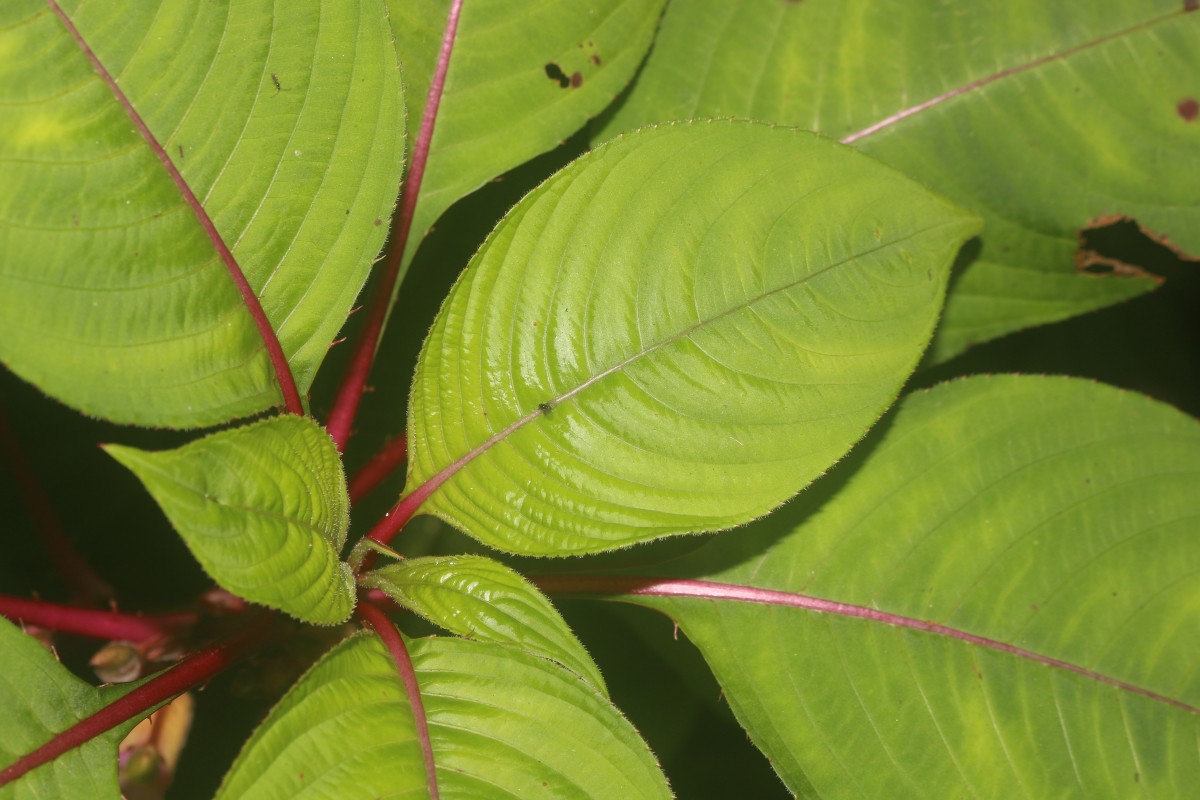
(503, 724)
(482, 599)
(522, 78)
(1017, 558)
(345, 730)
(1043, 117)
(112, 298)
(677, 332)
(264, 509)
(39, 698)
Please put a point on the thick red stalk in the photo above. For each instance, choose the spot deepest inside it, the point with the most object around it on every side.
(197, 669)
(354, 383)
(91, 622)
(85, 585)
(283, 371)
(384, 463)
(395, 644)
(709, 590)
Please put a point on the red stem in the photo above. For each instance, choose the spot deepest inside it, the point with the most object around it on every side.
(384, 463)
(345, 405)
(91, 622)
(283, 371)
(711, 590)
(195, 670)
(395, 644)
(86, 586)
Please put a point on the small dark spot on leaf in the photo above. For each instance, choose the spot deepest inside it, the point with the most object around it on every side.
(1033, 606)
(378, 222)
(275, 80)
(1137, 777)
(1088, 481)
(1188, 109)
(181, 151)
(554, 72)
(546, 407)
(576, 79)
(595, 59)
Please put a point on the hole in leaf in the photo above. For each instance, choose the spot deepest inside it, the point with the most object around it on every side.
(1119, 246)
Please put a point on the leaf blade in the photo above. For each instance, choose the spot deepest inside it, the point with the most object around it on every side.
(1044, 120)
(500, 107)
(489, 707)
(114, 299)
(994, 508)
(264, 509)
(40, 698)
(604, 366)
(484, 600)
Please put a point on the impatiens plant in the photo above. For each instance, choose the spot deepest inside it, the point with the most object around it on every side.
(753, 235)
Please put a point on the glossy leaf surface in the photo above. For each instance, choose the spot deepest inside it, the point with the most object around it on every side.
(39, 698)
(1042, 117)
(486, 601)
(675, 333)
(522, 78)
(1018, 561)
(503, 724)
(265, 511)
(286, 122)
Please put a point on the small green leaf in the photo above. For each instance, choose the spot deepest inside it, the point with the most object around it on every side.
(287, 123)
(264, 509)
(503, 724)
(1042, 117)
(523, 77)
(675, 333)
(40, 698)
(482, 599)
(1042, 531)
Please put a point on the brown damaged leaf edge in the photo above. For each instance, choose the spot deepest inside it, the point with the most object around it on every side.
(1090, 261)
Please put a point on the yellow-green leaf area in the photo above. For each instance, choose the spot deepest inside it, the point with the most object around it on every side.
(264, 509)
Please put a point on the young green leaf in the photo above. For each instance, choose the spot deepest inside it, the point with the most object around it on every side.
(264, 509)
(675, 333)
(523, 77)
(1010, 590)
(503, 724)
(286, 123)
(40, 698)
(484, 600)
(1043, 117)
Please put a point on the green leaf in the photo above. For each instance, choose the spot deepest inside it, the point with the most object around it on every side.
(1018, 559)
(346, 730)
(482, 599)
(675, 333)
(264, 509)
(112, 297)
(40, 698)
(505, 100)
(506, 724)
(1042, 117)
